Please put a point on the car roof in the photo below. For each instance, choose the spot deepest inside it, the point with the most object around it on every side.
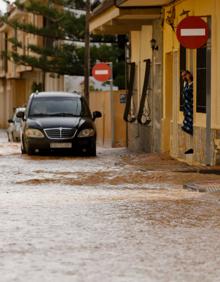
(56, 94)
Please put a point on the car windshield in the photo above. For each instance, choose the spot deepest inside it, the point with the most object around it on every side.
(59, 106)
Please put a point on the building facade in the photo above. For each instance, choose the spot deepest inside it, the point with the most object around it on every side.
(143, 24)
(16, 81)
(203, 63)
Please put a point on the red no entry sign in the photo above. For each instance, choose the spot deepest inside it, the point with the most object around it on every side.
(192, 32)
(101, 72)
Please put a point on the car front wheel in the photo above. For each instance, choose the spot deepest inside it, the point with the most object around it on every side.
(30, 150)
(27, 149)
(92, 150)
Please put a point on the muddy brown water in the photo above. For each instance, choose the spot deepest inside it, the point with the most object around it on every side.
(114, 218)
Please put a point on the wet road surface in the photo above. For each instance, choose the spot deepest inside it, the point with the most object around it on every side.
(119, 217)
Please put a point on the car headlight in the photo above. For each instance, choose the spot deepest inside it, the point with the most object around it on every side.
(88, 132)
(33, 133)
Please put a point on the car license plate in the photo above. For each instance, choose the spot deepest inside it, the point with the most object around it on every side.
(60, 145)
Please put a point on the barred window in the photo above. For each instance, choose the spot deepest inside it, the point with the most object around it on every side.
(182, 67)
(201, 80)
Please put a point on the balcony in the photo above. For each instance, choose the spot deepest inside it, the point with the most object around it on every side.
(123, 16)
(142, 3)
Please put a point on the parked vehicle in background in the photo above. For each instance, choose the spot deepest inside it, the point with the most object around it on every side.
(14, 129)
(58, 121)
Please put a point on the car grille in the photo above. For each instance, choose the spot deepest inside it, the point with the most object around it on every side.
(60, 133)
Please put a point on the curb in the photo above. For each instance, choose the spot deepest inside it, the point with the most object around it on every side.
(202, 187)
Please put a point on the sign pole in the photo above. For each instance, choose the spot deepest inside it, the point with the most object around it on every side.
(112, 105)
(208, 100)
(104, 72)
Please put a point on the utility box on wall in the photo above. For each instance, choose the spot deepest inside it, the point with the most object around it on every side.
(111, 128)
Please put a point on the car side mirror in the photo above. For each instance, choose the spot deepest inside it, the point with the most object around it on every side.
(20, 115)
(10, 120)
(96, 115)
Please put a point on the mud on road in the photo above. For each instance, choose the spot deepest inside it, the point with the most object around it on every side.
(120, 217)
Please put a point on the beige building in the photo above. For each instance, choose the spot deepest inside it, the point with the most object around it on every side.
(142, 22)
(16, 81)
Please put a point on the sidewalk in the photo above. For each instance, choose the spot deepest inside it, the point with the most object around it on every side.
(194, 178)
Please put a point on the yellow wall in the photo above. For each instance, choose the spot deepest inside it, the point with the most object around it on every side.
(171, 124)
(171, 44)
(2, 104)
(101, 101)
(54, 83)
(216, 67)
(140, 51)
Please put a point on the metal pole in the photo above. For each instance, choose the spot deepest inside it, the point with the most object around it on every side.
(112, 105)
(87, 53)
(45, 43)
(208, 98)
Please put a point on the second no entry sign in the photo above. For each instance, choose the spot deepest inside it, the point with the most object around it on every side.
(101, 72)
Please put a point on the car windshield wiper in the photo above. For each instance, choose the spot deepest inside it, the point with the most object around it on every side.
(62, 115)
(38, 115)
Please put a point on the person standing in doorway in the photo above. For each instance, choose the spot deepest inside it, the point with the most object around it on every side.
(188, 104)
(183, 75)
(184, 84)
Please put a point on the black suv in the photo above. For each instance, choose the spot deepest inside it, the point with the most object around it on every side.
(58, 120)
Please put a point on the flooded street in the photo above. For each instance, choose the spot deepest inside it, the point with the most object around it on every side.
(119, 217)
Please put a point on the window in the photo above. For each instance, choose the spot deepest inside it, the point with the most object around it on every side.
(47, 24)
(182, 67)
(201, 80)
(59, 106)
